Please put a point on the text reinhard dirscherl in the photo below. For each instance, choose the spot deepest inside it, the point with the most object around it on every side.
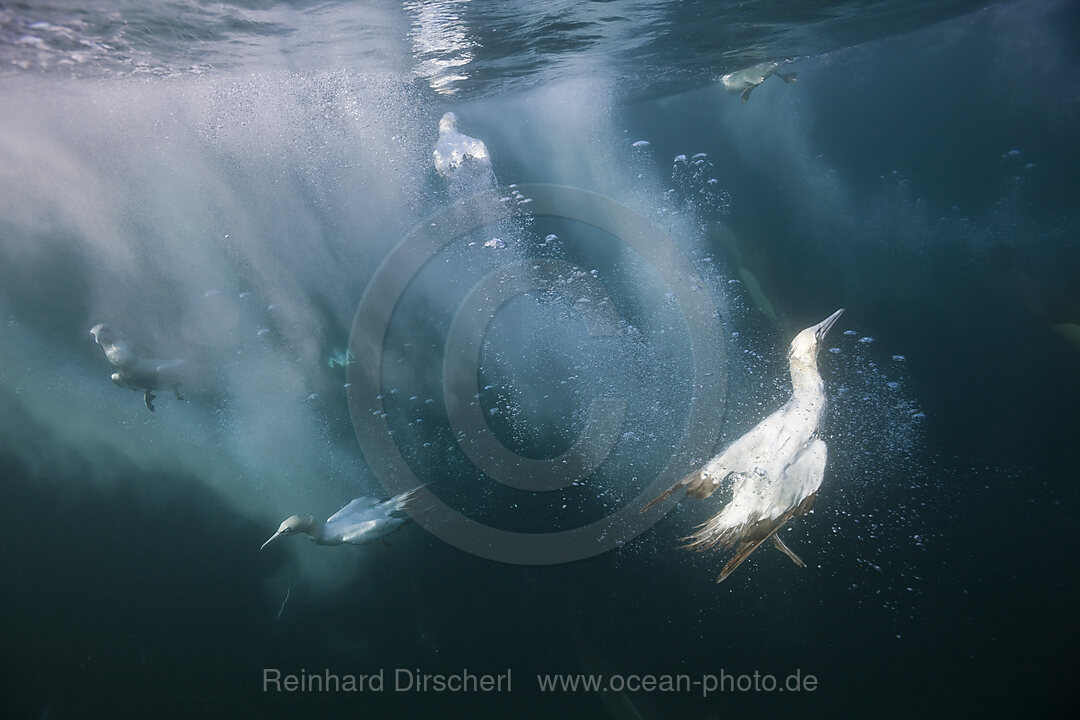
(401, 680)
(466, 681)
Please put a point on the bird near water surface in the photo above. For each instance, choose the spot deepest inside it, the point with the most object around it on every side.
(743, 82)
(135, 372)
(776, 468)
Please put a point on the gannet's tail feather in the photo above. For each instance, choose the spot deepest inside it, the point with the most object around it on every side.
(741, 553)
(403, 502)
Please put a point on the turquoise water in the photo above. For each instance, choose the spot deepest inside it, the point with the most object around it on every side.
(232, 184)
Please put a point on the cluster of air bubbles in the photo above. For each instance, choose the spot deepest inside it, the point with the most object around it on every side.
(877, 479)
(515, 197)
(1014, 159)
(696, 189)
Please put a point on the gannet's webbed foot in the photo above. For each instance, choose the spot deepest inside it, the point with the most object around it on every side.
(148, 397)
(787, 551)
(176, 389)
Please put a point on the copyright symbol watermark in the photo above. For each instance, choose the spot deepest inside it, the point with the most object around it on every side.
(461, 357)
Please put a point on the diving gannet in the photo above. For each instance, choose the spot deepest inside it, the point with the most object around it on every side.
(134, 372)
(361, 521)
(454, 148)
(777, 467)
(744, 81)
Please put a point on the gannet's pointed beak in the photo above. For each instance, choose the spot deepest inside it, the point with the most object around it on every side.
(275, 536)
(823, 327)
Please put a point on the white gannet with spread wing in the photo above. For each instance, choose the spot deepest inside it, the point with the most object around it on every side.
(361, 521)
(743, 82)
(777, 467)
(455, 149)
(135, 372)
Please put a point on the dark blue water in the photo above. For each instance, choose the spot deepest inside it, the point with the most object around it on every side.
(225, 182)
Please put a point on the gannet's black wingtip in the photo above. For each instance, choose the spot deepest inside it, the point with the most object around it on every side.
(659, 498)
(787, 551)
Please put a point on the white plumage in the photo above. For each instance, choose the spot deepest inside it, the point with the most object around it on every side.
(363, 520)
(776, 468)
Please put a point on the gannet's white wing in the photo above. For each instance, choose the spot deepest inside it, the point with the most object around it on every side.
(354, 507)
(362, 532)
(804, 476)
(741, 457)
(761, 505)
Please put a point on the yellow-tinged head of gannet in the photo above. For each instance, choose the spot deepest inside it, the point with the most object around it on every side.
(290, 526)
(802, 355)
(775, 469)
(805, 344)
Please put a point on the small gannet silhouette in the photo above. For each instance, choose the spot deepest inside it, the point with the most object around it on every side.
(134, 372)
(742, 82)
(363, 520)
(777, 467)
(454, 149)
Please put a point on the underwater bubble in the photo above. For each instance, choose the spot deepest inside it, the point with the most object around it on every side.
(899, 358)
(641, 144)
(835, 350)
(495, 244)
(850, 332)
(680, 158)
(866, 339)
